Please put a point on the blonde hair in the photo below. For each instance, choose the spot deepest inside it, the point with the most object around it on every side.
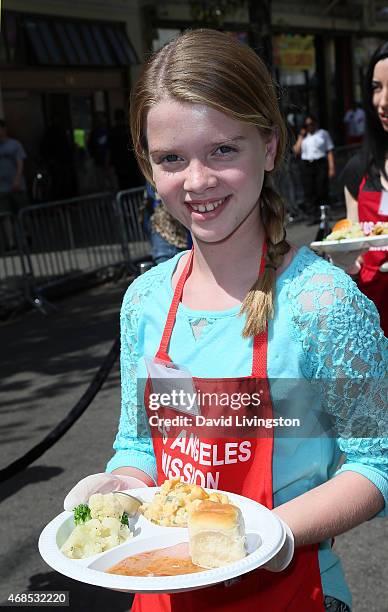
(212, 68)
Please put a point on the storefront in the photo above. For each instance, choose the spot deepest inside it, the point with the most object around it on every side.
(294, 59)
(61, 71)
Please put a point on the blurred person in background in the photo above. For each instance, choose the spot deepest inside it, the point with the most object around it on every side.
(315, 147)
(122, 156)
(99, 151)
(354, 121)
(366, 186)
(12, 184)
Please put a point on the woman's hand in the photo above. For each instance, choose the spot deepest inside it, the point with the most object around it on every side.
(100, 483)
(350, 262)
(298, 144)
(384, 267)
(331, 164)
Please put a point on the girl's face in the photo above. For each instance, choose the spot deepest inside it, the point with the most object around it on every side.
(380, 91)
(208, 168)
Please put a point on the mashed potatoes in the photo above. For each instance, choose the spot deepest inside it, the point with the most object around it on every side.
(171, 506)
(102, 532)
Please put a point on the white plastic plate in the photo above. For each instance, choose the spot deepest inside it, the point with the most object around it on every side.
(350, 244)
(264, 531)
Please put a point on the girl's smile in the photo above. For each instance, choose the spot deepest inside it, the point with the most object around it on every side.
(207, 209)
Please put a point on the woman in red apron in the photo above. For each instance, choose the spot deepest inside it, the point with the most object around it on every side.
(366, 183)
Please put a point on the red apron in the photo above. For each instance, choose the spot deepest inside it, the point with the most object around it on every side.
(372, 282)
(242, 466)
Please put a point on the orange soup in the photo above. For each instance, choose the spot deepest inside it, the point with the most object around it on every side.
(170, 561)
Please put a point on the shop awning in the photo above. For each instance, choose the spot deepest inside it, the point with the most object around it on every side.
(65, 42)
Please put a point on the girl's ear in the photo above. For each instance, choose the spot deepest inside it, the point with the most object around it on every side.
(270, 152)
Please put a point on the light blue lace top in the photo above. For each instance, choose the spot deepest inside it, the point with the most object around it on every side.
(324, 331)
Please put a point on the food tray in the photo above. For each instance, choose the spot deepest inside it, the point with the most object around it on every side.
(264, 531)
(350, 244)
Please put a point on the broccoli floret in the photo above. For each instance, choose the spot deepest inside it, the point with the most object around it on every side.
(124, 519)
(81, 514)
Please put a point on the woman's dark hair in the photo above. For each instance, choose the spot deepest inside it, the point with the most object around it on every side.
(376, 139)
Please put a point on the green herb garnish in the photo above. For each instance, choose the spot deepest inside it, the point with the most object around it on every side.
(81, 514)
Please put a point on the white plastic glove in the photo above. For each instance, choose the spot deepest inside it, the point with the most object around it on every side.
(99, 483)
(280, 561)
(284, 557)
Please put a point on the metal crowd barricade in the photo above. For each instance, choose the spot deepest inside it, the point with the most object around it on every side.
(59, 242)
(13, 275)
(67, 239)
(129, 205)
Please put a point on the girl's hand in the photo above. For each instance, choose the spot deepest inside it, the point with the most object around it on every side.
(99, 483)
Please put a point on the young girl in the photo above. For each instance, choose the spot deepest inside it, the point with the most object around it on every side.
(366, 183)
(244, 310)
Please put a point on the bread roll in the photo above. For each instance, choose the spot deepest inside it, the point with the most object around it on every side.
(216, 534)
(342, 224)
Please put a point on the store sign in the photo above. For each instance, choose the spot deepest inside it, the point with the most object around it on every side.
(294, 52)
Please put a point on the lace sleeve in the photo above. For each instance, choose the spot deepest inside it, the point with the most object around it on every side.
(345, 357)
(132, 449)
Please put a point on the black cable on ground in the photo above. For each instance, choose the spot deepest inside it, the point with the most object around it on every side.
(63, 426)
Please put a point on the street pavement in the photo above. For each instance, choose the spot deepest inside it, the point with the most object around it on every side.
(46, 364)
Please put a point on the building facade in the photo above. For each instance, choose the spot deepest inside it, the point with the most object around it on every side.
(65, 63)
(319, 50)
(72, 60)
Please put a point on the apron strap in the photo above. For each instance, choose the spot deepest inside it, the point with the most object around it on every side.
(361, 187)
(260, 341)
(163, 347)
(259, 361)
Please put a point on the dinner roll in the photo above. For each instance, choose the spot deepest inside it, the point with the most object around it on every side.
(216, 534)
(342, 224)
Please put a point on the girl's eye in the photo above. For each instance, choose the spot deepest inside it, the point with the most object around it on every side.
(170, 158)
(225, 149)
